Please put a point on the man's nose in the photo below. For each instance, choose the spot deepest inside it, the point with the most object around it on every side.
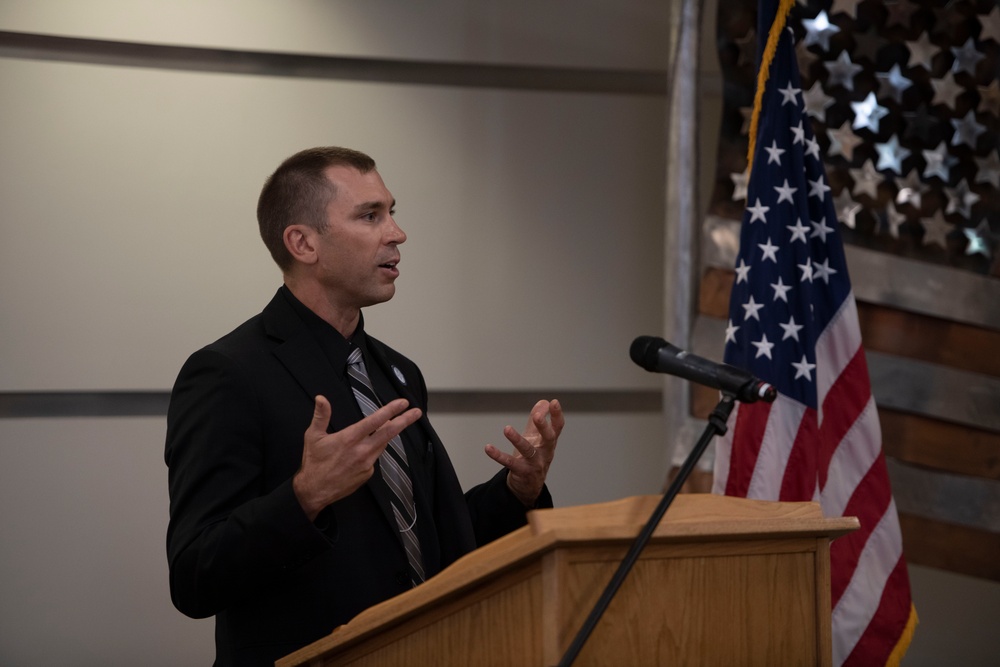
(395, 233)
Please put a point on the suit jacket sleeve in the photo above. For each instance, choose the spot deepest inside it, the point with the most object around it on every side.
(230, 532)
(496, 511)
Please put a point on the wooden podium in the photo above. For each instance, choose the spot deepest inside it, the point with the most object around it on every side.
(724, 581)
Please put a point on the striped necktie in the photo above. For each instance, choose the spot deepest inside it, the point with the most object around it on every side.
(395, 469)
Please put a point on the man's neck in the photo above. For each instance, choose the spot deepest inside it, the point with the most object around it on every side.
(311, 294)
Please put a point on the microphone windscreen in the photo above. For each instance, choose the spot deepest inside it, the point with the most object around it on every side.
(644, 349)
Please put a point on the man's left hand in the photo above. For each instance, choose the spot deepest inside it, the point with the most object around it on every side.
(533, 451)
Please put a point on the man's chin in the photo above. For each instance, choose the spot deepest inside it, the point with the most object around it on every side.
(382, 295)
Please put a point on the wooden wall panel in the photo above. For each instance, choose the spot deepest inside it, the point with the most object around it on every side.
(951, 547)
(933, 443)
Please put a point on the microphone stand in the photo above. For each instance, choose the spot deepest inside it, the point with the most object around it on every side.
(716, 426)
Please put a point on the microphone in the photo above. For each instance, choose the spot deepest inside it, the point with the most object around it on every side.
(658, 356)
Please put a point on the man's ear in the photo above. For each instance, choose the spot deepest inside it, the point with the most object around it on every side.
(301, 242)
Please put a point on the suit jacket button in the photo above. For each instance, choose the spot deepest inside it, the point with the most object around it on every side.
(403, 578)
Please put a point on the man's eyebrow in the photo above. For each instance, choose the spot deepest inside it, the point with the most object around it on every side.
(373, 205)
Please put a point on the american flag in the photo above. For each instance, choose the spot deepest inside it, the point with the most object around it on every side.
(793, 322)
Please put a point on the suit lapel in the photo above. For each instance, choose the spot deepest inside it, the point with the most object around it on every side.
(299, 352)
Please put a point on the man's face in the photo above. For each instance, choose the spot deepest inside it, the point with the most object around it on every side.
(358, 251)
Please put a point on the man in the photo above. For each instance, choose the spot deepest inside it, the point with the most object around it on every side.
(296, 501)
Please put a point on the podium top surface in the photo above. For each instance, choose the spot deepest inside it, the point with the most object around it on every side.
(691, 516)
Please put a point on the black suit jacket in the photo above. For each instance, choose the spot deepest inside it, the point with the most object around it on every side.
(238, 543)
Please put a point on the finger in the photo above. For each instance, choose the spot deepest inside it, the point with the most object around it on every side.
(503, 458)
(321, 417)
(388, 421)
(556, 416)
(541, 415)
(541, 425)
(536, 416)
(398, 424)
(548, 419)
(521, 444)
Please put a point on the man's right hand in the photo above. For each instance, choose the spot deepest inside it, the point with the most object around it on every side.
(335, 465)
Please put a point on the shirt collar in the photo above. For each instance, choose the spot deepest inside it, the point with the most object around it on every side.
(334, 345)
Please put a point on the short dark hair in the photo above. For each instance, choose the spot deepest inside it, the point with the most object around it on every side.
(298, 192)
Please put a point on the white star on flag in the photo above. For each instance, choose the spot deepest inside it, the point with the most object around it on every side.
(818, 188)
(751, 308)
(774, 153)
(798, 231)
(803, 369)
(789, 94)
(763, 346)
(769, 249)
(820, 229)
(742, 272)
(790, 328)
(785, 192)
(780, 291)
(757, 211)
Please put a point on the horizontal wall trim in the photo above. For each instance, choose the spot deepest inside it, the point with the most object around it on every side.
(34, 46)
(572, 400)
(49, 404)
(15, 404)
